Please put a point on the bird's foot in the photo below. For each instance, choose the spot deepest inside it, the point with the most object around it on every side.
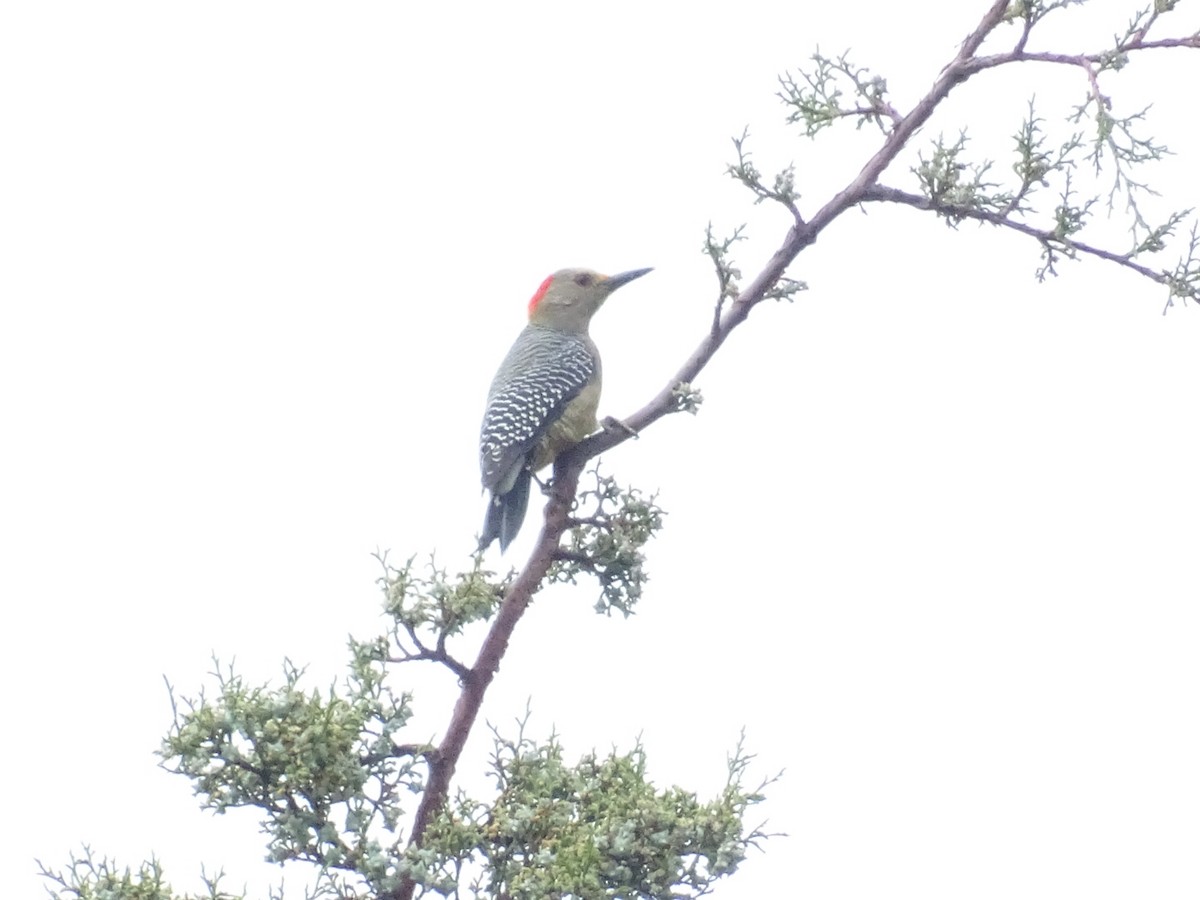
(612, 423)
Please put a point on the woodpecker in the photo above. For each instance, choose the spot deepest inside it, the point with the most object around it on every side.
(544, 397)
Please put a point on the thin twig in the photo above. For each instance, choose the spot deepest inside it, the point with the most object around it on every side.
(880, 193)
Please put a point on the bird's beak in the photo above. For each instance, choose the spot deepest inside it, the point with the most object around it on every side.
(616, 281)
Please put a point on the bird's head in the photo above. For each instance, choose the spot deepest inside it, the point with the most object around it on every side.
(568, 298)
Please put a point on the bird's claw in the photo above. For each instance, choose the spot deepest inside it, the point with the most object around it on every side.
(544, 486)
(612, 423)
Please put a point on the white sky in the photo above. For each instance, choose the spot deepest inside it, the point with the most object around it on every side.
(932, 540)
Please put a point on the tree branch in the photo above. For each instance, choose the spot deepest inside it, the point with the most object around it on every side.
(799, 236)
(569, 466)
(1084, 60)
(479, 677)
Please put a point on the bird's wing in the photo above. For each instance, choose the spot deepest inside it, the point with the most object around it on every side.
(522, 406)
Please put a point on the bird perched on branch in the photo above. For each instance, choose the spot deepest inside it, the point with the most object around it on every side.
(544, 397)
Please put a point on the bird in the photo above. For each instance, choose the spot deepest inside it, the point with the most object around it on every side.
(543, 398)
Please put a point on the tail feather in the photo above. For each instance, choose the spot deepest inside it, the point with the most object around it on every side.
(506, 512)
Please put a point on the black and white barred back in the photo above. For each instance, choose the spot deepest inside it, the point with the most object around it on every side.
(544, 371)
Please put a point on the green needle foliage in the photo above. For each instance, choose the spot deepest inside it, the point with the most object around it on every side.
(322, 766)
(606, 543)
(88, 877)
(334, 782)
(598, 828)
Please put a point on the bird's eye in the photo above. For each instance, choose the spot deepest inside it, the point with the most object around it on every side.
(583, 279)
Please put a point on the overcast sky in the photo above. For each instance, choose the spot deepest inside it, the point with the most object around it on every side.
(933, 537)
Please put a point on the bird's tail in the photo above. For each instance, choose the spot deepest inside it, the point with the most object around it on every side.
(506, 512)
